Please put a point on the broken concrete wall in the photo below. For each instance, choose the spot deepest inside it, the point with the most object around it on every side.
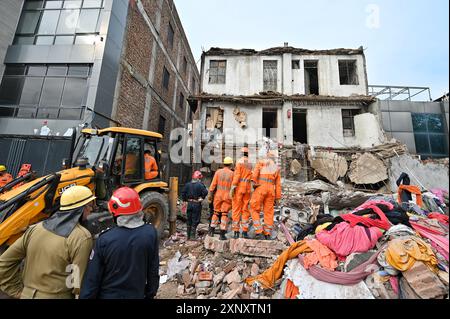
(367, 169)
(368, 132)
(430, 175)
(328, 164)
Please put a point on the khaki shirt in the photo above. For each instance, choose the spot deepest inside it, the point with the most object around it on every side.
(53, 265)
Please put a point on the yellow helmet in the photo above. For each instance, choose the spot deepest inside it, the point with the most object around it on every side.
(228, 161)
(75, 196)
(2, 168)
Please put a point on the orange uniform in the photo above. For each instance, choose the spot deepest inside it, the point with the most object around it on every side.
(266, 178)
(151, 168)
(242, 181)
(5, 178)
(221, 185)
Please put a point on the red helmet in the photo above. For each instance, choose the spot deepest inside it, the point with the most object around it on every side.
(197, 175)
(124, 201)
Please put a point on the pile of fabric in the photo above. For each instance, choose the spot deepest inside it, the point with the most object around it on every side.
(381, 240)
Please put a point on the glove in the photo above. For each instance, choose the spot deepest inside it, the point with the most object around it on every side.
(210, 198)
(232, 191)
(277, 202)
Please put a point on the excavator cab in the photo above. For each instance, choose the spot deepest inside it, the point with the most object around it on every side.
(102, 160)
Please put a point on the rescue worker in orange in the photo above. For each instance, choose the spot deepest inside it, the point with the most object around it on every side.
(5, 177)
(266, 182)
(150, 166)
(220, 187)
(240, 194)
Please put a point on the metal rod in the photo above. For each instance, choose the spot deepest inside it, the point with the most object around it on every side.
(173, 197)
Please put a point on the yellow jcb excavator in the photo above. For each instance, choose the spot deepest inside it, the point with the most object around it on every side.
(103, 160)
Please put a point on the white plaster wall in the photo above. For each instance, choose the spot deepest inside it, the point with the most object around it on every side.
(368, 132)
(244, 75)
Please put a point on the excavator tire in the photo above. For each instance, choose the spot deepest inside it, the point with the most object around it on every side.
(156, 210)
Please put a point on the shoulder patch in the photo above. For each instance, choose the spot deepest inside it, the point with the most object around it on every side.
(91, 256)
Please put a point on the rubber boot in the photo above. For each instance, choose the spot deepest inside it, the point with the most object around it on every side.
(244, 234)
(194, 233)
(236, 235)
(267, 237)
(211, 231)
(222, 235)
(259, 237)
(189, 228)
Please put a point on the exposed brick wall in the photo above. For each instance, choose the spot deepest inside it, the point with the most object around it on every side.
(131, 103)
(151, 7)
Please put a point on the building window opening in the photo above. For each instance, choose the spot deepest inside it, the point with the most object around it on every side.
(299, 126)
(295, 64)
(161, 125)
(270, 123)
(348, 72)
(170, 35)
(166, 78)
(348, 121)
(181, 102)
(217, 71)
(430, 135)
(59, 22)
(270, 75)
(311, 78)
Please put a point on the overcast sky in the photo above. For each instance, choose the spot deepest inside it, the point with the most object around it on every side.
(406, 42)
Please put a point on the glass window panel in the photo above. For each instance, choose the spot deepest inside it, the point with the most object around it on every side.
(33, 5)
(437, 142)
(70, 114)
(435, 123)
(7, 112)
(422, 145)
(45, 113)
(92, 4)
(68, 21)
(51, 92)
(88, 20)
(10, 90)
(72, 4)
(26, 112)
(64, 39)
(133, 166)
(74, 92)
(419, 122)
(31, 91)
(49, 22)
(37, 70)
(28, 22)
(347, 123)
(23, 40)
(57, 70)
(53, 4)
(79, 70)
(85, 39)
(15, 70)
(44, 40)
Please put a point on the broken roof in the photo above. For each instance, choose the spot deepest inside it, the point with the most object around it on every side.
(276, 98)
(282, 50)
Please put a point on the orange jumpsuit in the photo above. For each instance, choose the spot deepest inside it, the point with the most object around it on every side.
(241, 179)
(5, 178)
(151, 168)
(266, 177)
(221, 184)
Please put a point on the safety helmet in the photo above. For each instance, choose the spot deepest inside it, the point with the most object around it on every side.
(197, 175)
(2, 168)
(75, 197)
(124, 201)
(228, 161)
(244, 150)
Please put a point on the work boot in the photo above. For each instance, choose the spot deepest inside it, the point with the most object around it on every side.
(244, 234)
(211, 231)
(259, 237)
(194, 233)
(189, 232)
(236, 235)
(267, 237)
(222, 235)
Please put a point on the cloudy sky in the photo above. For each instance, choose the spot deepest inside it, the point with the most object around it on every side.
(406, 41)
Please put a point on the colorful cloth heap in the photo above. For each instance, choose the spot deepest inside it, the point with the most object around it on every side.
(321, 255)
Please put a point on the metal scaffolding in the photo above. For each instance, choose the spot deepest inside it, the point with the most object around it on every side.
(405, 93)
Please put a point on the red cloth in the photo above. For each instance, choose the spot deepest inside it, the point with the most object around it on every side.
(382, 223)
(344, 239)
(394, 283)
(440, 217)
(321, 254)
(438, 241)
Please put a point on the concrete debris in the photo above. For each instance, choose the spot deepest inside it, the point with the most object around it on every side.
(406, 291)
(424, 282)
(367, 169)
(295, 167)
(329, 165)
(230, 266)
(260, 248)
(380, 287)
(231, 294)
(232, 277)
(255, 270)
(217, 245)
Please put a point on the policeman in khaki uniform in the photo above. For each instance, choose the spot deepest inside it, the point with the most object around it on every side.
(55, 252)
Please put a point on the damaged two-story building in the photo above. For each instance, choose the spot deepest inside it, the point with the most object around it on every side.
(314, 97)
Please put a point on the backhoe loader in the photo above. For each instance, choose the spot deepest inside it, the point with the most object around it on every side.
(103, 160)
